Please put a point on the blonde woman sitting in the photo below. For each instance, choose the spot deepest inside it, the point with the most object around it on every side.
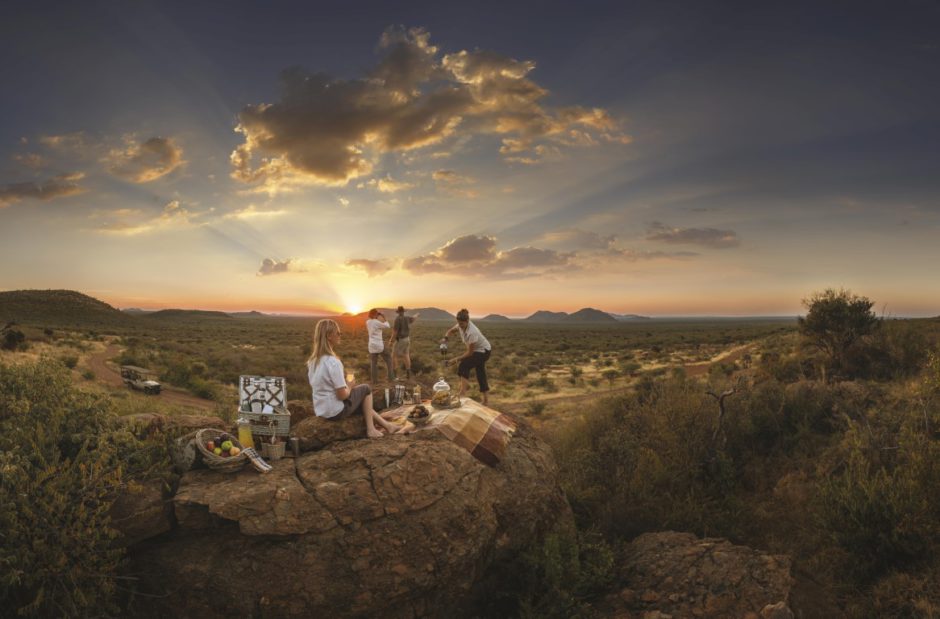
(334, 397)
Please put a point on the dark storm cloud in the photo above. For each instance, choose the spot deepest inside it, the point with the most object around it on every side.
(707, 237)
(147, 161)
(373, 268)
(59, 186)
(328, 131)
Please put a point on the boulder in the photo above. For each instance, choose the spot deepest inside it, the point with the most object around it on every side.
(671, 574)
(299, 410)
(316, 432)
(401, 526)
(141, 512)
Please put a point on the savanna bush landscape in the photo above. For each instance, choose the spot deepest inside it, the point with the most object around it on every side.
(815, 438)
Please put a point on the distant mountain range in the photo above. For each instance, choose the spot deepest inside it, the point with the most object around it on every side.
(65, 308)
(587, 314)
(630, 317)
(171, 314)
(547, 316)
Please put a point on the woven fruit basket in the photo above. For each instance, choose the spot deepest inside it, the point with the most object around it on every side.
(419, 415)
(231, 464)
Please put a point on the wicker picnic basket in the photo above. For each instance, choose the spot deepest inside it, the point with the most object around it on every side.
(232, 464)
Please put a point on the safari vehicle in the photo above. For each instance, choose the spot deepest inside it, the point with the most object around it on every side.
(140, 379)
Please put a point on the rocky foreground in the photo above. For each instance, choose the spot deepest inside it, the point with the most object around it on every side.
(404, 526)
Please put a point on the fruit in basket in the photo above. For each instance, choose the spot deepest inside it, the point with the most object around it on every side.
(210, 445)
(234, 451)
(226, 445)
(419, 412)
(217, 451)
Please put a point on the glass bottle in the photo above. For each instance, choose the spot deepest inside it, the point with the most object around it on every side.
(244, 433)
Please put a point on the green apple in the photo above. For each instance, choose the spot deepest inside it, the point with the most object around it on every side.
(226, 445)
(217, 451)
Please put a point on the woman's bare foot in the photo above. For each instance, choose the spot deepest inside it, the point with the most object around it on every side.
(392, 428)
(373, 433)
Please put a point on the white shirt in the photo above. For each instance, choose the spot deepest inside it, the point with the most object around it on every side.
(474, 338)
(325, 378)
(375, 327)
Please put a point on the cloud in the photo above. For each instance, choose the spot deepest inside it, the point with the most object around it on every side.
(328, 131)
(388, 185)
(477, 256)
(145, 162)
(75, 142)
(174, 214)
(253, 212)
(32, 161)
(707, 237)
(468, 248)
(270, 266)
(452, 183)
(575, 239)
(56, 187)
(372, 268)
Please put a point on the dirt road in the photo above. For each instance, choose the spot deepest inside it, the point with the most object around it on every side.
(107, 374)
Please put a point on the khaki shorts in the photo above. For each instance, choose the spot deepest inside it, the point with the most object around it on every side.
(403, 346)
(353, 404)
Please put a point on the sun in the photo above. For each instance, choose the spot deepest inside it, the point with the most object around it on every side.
(353, 308)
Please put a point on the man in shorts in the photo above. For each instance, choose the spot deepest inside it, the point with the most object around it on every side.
(401, 340)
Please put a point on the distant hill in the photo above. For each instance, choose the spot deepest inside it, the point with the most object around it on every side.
(59, 308)
(431, 313)
(546, 316)
(175, 314)
(589, 314)
(135, 311)
(629, 317)
(495, 318)
(251, 314)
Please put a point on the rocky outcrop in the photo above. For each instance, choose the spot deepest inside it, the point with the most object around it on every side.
(141, 512)
(316, 432)
(402, 526)
(671, 574)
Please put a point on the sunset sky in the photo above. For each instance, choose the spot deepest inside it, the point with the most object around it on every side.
(658, 158)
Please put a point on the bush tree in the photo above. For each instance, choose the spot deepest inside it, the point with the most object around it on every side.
(835, 321)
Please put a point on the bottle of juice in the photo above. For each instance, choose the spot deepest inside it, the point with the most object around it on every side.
(244, 433)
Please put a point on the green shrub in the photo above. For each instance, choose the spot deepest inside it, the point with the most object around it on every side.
(59, 468)
(553, 579)
(883, 510)
(13, 339)
(535, 408)
(70, 361)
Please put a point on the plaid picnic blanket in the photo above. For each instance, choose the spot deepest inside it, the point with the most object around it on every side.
(482, 431)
